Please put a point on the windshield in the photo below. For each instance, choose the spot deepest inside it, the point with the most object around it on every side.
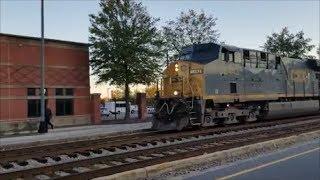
(201, 53)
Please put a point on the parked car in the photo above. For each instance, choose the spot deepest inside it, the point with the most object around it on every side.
(134, 109)
(150, 110)
(104, 111)
(118, 107)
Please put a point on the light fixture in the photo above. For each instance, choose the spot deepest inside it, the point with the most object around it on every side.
(176, 67)
(175, 93)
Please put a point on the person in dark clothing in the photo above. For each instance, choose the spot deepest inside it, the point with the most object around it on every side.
(43, 126)
(48, 116)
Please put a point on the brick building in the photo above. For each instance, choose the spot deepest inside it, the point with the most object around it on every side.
(66, 82)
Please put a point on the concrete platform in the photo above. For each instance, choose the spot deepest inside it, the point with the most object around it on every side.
(298, 162)
(71, 134)
(181, 169)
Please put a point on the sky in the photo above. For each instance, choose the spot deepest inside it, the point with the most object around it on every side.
(240, 23)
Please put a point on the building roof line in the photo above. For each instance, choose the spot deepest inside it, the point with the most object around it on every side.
(46, 39)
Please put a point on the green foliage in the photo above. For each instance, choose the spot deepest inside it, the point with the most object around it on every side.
(190, 28)
(103, 100)
(125, 44)
(288, 44)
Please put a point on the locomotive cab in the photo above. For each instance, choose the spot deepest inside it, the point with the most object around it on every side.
(181, 101)
(182, 90)
(184, 77)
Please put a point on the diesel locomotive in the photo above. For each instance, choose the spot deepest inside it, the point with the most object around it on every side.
(211, 84)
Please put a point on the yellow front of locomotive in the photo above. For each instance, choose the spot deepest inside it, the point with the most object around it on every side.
(183, 79)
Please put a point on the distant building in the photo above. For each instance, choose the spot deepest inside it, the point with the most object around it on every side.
(66, 82)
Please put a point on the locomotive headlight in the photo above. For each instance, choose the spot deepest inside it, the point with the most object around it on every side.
(175, 93)
(176, 67)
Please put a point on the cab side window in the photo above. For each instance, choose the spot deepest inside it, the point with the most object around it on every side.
(278, 60)
(246, 57)
(262, 61)
(227, 55)
(263, 56)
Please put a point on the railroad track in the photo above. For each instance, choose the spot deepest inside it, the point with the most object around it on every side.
(9, 154)
(139, 150)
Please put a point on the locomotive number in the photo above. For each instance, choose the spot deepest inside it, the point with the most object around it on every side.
(196, 71)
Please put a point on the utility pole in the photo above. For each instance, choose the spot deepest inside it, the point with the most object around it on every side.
(42, 101)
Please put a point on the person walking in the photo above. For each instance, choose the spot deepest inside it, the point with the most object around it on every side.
(48, 116)
(43, 126)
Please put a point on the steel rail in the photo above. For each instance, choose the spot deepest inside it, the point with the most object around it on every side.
(68, 166)
(51, 150)
(69, 148)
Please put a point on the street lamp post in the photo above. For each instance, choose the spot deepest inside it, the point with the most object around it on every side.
(42, 127)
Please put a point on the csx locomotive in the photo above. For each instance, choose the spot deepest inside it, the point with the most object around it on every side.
(213, 84)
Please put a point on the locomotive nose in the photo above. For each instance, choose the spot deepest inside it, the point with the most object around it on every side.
(182, 79)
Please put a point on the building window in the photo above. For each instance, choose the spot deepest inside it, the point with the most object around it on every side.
(64, 92)
(31, 91)
(34, 108)
(64, 105)
(36, 92)
(34, 105)
(69, 92)
(120, 105)
(59, 92)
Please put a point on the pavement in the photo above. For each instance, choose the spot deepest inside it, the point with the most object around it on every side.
(72, 133)
(295, 163)
(111, 117)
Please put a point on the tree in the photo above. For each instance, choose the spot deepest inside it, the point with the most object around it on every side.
(151, 91)
(103, 101)
(318, 51)
(190, 28)
(125, 45)
(288, 44)
(117, 94)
